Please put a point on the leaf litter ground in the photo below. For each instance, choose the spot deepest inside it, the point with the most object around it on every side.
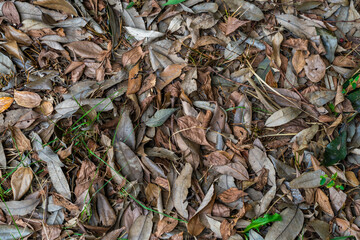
(180, 119)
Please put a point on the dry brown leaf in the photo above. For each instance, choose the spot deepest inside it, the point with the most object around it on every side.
(231, 195)
(13, 49)
(278, 38)
(45, 108)
(315, 68)
(12, 33)
(64, 153)
(86, 49)
(166, 225)
(227, 229)
(27, 99)
(232, 24)
(352, 180)
(270, 79)
(323, 200)
(207, 40)
(10, 12)
(298, 61)
(192, 130)
(5, 103)
(218, 158)
(170, 73)
(21, 181)
(134, 83)
(148, 83)
(21, 142)
(131, 57)
(344, 61)
(296, 43)
(61, 5)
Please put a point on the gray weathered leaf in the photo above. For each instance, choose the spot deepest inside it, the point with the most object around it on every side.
(321, 228)
(259, 160)
(6, 65)
(304, 137)
(300, 27)
(58, 179)
(20, 208)
(282, 169)
(265, 201)
(282, 116)
(160, 117)
(248, 10)
(320, 98)
(125, 130)
(289, 227)
(140, 34)
(141, 228)
(128, 161)
(56, 218)
(330, 43)
(234, 50)
(236, 170)
(180, 191)
(2, 157)
(10, 232)
(307, 180)
(253, 235)
(162, 153)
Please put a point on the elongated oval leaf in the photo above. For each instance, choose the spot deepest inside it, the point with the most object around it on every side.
(128, 161)
(20, 208)
(10, 232)
(282, 116)
(61, 5)
(160, 117)
(336, 150)
(182, 183)
(6, 65)
(307, 180)
(289, 227)
(141, 228)
(58, 179)
(21, 181)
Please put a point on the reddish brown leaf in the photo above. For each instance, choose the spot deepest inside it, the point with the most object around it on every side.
(231, 195)
(192, 130)
(10, 12)
(170, 73)
(21, 142)
(131, 57)
(135, 78)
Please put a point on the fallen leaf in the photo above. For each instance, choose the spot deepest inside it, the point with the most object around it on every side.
(192, 130)
(20, 208)
(180, 191)
(165, 225)
(289, 227)
(27, 99)
(282, 116)
(21, 142)
(170, 73)
(323, 200)
(231, 195)
(10, 232)
(132, 57)
(307, 180)
(5, 103)
(298, 61)
(315, 68)
(86, 49)
(61, 5)
(232, 24)
(134, 83)
(160, 117)
(128, 161)
(21, 181)
(10, 12)
(141, 228)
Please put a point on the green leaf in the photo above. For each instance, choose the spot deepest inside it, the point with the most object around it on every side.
(330, 184)
(336, 150)
(131, 4)
(343, 238)
(160, 117)
(354, 98)
(263, 221)
(323, 180)
(173, 2)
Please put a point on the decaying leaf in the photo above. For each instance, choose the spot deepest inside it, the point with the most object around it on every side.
(231, 195)
(21, 142)
(182, 183)
(61, 5)
(282, 116)
(21, 181)
(315, 68)
(27, 99)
